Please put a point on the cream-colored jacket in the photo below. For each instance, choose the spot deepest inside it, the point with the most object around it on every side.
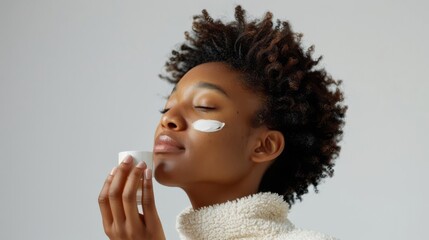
(259, 216)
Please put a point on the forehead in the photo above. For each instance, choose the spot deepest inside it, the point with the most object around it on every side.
(214, 76)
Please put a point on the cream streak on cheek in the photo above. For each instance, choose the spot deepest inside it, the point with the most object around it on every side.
(207, 125)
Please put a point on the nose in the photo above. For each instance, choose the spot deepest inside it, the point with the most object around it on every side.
(173, 120)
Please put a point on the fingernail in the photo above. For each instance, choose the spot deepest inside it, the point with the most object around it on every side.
(128, 159)
(148, 173)
(141, 164)
(113, 171)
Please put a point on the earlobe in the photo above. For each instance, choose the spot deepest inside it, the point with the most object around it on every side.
(269, 147)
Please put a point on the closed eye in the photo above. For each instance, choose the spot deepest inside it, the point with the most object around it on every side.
(162, 111)
(204, 108)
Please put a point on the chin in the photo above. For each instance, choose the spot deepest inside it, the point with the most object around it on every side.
(166, 176)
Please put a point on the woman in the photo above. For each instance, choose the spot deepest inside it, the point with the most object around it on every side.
(250, 124)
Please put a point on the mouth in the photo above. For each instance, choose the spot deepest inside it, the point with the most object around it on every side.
(166, 144)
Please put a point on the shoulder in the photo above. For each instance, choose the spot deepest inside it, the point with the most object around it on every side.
(302, 234)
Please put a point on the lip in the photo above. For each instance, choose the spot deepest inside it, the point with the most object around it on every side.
(166, 144)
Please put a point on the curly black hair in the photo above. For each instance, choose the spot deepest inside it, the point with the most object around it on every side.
(301, 101)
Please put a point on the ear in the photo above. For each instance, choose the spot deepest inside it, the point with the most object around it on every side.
(269, 146)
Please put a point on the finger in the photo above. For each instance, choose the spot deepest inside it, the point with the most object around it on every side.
(103, 201)
(148, 202)
(116, 190)
(129, 197)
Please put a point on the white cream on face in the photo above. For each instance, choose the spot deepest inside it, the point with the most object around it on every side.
(207, 125)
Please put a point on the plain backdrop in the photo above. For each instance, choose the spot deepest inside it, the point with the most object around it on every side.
(79, 83)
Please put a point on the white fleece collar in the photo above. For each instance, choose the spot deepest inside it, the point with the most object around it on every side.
(260, 215)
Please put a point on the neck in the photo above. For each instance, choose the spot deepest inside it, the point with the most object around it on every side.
(202, 194)
(206, 194)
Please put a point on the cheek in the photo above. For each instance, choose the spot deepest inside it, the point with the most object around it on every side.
(221, 154)
(227, 141)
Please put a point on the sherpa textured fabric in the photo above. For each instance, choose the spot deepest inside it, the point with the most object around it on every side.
(258, 216)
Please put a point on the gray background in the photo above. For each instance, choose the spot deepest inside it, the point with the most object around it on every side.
(78, 84)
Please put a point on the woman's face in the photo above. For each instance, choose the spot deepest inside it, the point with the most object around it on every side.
(184, 156)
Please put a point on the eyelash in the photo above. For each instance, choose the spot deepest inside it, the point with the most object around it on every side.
(162, 111)
(204, 108)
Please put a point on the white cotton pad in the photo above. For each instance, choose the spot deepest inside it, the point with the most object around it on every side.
(206, 125)
(138, 156)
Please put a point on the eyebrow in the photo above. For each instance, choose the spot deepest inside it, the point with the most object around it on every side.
(208, 86)
(211, 86)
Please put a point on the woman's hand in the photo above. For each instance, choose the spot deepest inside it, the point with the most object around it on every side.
(118, 204)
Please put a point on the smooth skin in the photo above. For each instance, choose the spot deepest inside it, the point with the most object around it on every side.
(118, 204)
(211, 168)
(219, 166)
